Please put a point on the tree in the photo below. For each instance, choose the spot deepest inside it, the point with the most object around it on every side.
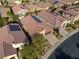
(25, 1)
(5, 3)
(9, 13)
(31, 51)
(14, 17)
(28, 52)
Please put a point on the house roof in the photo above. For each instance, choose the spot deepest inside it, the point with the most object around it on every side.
(72, 11)
(18, 34)
(30, 25)
(67, 1)
(7, 37)
(43, 4)
(53, 19)
(8, 49)
(18, 8)
(32, 7)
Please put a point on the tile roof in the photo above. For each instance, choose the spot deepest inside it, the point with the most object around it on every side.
(67, 1)
(19, 36)
(8, 49)
(54, 20)
(18, 8)
(30, 25)
(73, 11)
(7, 38)
(43, 4)
(32, 7)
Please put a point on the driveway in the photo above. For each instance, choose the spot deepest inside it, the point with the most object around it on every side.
(63, 32)
(51, 38)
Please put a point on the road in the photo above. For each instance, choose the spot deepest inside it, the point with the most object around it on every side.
(54, 47)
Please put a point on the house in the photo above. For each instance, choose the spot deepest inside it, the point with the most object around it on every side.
(52, 19)
(67, 1)
(32, 7)
(11, 38)
(33, 27)
(68, 15)
(6, 49)
(44, 5)
(20, 10)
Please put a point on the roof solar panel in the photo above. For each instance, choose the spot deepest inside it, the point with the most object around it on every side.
(14, 28)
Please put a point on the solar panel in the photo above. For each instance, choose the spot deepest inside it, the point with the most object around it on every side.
(14, 28)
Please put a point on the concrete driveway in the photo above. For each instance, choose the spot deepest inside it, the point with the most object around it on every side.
(51, 38)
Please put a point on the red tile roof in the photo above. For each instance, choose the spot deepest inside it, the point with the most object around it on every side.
(43, 4)
(31, 25)
(54, 20)
(73, 12)
(19, 36)
(7, 38)
(67, 1)
(18, 8)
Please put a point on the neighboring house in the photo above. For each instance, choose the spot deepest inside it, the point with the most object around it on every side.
(33, 27)
(44, 5)
(32, 7)
(20, 10)
(11, 37)
(70, 15)
(52, 19)
(19, 36)
(67, 1)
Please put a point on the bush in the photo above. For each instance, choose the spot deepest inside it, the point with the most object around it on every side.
(34, 49)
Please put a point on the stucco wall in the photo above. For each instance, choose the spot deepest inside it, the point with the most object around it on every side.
(8, 57)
